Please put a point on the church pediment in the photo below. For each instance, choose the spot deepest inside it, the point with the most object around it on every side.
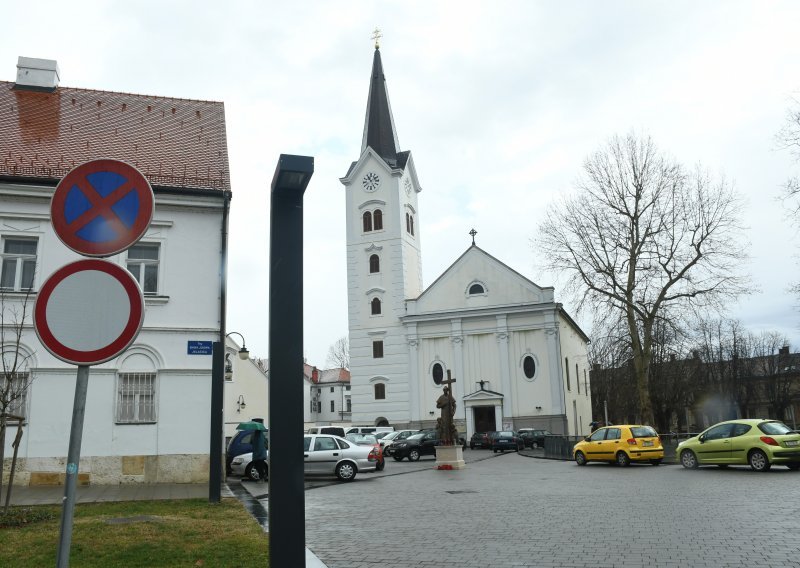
(477, 280)
(483, 395)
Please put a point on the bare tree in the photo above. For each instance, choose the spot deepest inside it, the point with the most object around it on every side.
(16, 374)
(771, 354)
(339, 353)
(643, 237)
(789, 139)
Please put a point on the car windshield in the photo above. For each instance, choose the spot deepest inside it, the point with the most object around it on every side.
(390, 436)
(774, 428)
(643, 432)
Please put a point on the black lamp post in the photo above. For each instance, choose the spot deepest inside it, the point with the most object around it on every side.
(287, 536)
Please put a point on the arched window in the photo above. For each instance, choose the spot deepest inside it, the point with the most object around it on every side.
(374, 264)
(411, 218)
(476, 289)
(380, 391)
(375, 307)
(437, 373)
(408, 223)
(367, 221)
(529, 367)
(378, 217)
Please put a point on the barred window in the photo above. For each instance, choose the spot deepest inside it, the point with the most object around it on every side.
(136, 398)
(19, 394)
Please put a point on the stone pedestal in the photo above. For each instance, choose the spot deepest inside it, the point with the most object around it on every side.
(452, 457)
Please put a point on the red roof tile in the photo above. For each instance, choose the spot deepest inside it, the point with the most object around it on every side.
(173, 142)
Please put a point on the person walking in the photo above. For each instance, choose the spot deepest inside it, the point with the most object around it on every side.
(259, 442)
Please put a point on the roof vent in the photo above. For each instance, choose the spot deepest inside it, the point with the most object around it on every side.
(37, 74)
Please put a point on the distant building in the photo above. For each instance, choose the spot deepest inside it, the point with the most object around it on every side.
(329, 396)
(518, 359)
(147, 411)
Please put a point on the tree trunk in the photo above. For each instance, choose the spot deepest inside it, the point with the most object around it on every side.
(2, 448)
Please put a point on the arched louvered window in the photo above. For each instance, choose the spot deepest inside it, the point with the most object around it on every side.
(378, 219)
(437, 373)
(375, 306)
(374, 264)
(411, 218)
(408, 223)
(476, 289)
(367, 221)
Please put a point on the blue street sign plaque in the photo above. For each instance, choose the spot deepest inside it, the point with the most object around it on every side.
(199, 348)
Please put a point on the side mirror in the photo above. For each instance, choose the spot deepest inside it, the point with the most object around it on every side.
(702, 438)
(587, 439)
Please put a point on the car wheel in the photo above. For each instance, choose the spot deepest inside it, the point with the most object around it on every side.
(655, 462)
(413, 455)
(580, 459)
(722, 466)
(758, 460)
(398, 458)
(623, 460)
(793, 466)
(494, 450)
(688, 459)
(251, 473)
(535, 446)
(346, 471)
(471, 446)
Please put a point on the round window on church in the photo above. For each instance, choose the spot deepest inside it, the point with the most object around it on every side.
(529, 366)
(438, 373)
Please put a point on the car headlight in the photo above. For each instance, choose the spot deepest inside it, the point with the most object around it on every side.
(401, 445)
(237, 461)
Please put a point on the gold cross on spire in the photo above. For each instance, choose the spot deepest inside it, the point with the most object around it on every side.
(377, 35)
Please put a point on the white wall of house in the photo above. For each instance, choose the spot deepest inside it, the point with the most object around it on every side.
(171, 444)
(246, 383)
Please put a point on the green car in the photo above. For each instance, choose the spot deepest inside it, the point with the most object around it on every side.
(758, 443)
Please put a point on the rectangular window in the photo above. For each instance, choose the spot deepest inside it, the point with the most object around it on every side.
(577, 378)
(143, 264)
(347, 387)
(19, 395)
(377, 349)
(19, 264)
(566, 366)
(136, 398)
(349, 405)
(333, 408)
(331, 389)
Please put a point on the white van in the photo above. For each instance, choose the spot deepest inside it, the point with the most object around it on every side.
(334, 430)
(368, 429)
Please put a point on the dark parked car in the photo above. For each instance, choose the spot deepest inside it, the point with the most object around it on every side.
(533, 438)
(422, 444)
(240, 444)
(506, 440)
(480, 440)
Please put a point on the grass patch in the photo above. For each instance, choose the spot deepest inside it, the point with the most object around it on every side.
(18, 516)
(189, 532)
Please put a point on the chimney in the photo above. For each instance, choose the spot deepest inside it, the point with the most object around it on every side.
(37, 74)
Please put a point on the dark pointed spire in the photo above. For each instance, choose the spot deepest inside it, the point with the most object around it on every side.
(379, 131)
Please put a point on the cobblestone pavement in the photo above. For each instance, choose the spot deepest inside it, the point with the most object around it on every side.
(515, 511)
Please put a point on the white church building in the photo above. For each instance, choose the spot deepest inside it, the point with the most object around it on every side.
(518, 359)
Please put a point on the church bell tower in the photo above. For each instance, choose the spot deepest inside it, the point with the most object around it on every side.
(384, 264)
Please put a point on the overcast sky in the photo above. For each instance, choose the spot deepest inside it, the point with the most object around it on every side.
(499, 103)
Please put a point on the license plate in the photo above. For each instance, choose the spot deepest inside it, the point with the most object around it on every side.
(647, 443)
(791, 442)
(505, 441)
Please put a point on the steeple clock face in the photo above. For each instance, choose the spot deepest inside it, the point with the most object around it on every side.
(407, 185)
(371, 182)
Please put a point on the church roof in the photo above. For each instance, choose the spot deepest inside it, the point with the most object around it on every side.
(379, 131)
(177, 143)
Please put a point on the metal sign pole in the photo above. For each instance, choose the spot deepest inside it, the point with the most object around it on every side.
(73, 459)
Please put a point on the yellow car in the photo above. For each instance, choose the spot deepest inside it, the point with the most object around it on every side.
(758, 443)
(620, 444)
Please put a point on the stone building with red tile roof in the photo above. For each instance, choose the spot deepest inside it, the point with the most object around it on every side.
(146, 415)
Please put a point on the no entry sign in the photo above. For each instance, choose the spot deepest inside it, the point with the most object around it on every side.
(102, 207)
(88, 312)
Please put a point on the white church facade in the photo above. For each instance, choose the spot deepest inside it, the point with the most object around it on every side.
(518, 359)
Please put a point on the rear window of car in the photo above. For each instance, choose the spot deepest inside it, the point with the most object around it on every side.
(505, 434)
(774, 428)
(643, 432)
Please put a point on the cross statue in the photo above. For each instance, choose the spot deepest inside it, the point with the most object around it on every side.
(482, 383)
(447, 404)
(473, 232)
(377, 35)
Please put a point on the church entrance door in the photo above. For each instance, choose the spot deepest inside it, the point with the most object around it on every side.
(484, 418)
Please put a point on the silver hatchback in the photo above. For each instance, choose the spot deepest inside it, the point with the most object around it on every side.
(323, 454)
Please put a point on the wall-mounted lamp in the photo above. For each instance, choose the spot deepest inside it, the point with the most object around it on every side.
(244, 354)
(431, 413)
(538, 408)
(240, 403)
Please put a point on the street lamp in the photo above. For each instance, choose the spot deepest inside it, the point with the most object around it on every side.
(244, 354)
(287, 531)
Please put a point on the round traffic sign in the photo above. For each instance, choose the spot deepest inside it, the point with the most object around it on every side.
(102, 207)
(88, 312)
